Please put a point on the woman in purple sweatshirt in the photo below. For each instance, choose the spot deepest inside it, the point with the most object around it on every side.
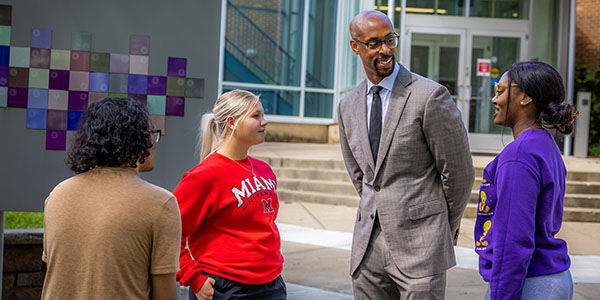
(521, 196)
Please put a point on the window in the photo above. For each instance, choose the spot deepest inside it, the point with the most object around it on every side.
(504, 9)
(437, 7)
(284, 50)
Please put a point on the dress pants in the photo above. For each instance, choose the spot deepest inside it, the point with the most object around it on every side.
(378, 277)
(226, 289)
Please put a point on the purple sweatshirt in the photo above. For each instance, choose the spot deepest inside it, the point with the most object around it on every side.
(520, 211)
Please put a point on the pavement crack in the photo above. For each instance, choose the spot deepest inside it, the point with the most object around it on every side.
(312, 215)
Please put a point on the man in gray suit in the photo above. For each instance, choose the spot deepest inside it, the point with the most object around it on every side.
(407, 153)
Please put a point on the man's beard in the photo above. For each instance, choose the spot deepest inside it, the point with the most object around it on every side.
(379, 72)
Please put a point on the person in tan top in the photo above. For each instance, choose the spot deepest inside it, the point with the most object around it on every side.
(108, 234)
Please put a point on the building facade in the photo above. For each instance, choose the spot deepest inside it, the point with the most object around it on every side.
(588, 44)
(296, 53)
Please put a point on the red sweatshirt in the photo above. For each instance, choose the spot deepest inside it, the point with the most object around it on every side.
(228, 222)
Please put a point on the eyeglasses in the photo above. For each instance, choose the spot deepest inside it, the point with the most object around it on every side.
(155, 135)
(375, 44)
(501, 85)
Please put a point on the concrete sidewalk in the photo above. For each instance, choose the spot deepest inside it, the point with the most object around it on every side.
(325, 268)
(316, 247)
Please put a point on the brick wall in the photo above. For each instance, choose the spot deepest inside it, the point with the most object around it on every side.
(24, 271)
(588, 32)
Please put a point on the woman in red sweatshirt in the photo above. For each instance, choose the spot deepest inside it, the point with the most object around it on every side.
(230, 246)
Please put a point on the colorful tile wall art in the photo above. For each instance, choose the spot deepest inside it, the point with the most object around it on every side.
(56, 86)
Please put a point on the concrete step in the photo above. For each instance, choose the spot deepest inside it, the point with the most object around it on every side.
(312, 174)
(278, 162)
(478, 172)
(320, 186)
(579, 214)
(582, 201)
(583, 176)
(579, 194)
(571, 200)
(575, 214)
(576, 187)
(583, 187)
(326, 181)
(589, 176)
(317, 197)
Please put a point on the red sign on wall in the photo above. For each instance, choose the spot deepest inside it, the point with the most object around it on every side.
(484, 67)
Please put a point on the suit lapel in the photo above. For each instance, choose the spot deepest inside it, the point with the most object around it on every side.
(360, 116)
(396, 104)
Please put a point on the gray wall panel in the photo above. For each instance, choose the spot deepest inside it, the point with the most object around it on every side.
(183, 28)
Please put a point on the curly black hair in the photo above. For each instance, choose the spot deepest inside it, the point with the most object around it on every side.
(113, 132)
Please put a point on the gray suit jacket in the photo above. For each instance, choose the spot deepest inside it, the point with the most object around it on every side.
(421, 181)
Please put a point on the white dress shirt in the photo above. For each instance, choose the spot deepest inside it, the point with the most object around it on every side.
(387, 84)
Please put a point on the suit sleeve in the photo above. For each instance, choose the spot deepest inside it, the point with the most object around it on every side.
(354, 170)
(513, 229)
(447, 140)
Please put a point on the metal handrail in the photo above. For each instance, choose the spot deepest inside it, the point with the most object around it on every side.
(242, 32)
(264, 34)
(264, 73)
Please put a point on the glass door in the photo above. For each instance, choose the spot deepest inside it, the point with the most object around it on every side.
(489, 55)
(438, 55)
(467, 62)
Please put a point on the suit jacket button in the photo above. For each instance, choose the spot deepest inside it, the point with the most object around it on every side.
(372, 216)
(377, 188)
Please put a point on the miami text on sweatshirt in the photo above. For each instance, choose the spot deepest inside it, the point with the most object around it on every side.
(228, 210)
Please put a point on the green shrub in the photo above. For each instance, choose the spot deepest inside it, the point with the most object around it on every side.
(594, 150)
(22, 220)
(589, 81)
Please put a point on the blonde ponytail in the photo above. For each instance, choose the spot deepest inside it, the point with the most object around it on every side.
(208, 135)
(213, 129)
